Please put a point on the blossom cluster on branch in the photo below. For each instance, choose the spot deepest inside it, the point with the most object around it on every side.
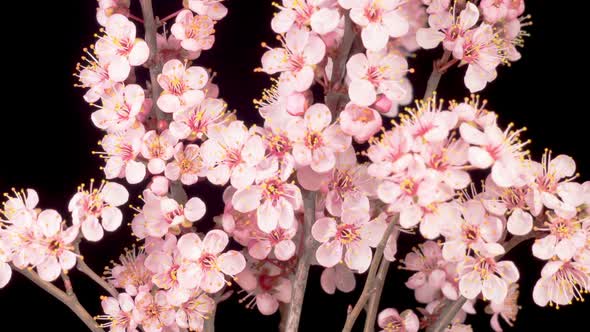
(373, 181)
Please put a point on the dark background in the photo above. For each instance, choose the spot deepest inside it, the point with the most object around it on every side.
(46, 137)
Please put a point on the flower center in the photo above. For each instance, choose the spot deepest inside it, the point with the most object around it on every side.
(313, 140)
(208, 261)
(347, 233)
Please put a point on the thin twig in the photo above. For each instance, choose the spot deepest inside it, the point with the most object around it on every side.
(369, 287)
(67, 284)
(373, 305)
(70, 301)
(84, 268)
(436, 74)
(300, 281)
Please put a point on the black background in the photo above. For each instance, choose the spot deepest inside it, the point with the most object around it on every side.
(46, 137)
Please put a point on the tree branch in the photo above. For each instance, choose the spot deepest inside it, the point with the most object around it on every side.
(70, 301)
(300, 282)
(436, 74)
(84, 268)
(373, 305)
(333, 97)
(369, 287)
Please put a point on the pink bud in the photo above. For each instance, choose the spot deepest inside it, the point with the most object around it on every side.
(159, 185)
(162, 125)
(383, 104)
(296, 104)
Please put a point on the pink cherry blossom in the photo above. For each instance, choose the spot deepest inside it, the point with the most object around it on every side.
(88, 206)
(379, 19)
(278, 159)
(106, 8)
(195, 122)
(275, 202)
(360, 122)
(321, 15)
(389, 320)
(279, 240)
(194, 32)
(181, 86)
(207, 258)
(57, 241)
(565, 238)
(172, 274)
(120, 107)
(427, 262)
(121, 151)
(474, 110)
(560, 283)
(447, 159)
(212, 8)
(232, 153)
(508, 309)
(186, 165)
(130, 272)
(448, 30)
(281, 102)
(375, 73)
(193, 313)
(302, 50)
(500, 150)
(338, 277)
(265, 286)
(483, 274)
(120, 47)
(94, 74)
(352, 237)
(153, 312)
(477, 231)
(429, 123)
(118, 313)
(158, 148)
(390, 153)
(315, 141)
(499, 10)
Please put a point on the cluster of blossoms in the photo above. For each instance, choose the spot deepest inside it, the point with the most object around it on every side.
(413, 178)
(481, 37)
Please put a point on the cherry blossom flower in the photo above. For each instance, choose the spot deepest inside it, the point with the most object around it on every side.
(88, 206)
(499, 10)
(278, 159)
(171, 273)
(429, 123)
(182, 86)
(192, 314)
(281, 102)
(158, 148)
(375, 73)
(379, 19)
(565, 238)
(209, 261)
(389, 320)
(265, 285)
(186, 165)
(560, 283)
(130, 272)
(321, 15)
(360, 122)
(195, 122)
(338, 277)
(275, 203)
(501, 150)
(352, 237)
(106, 8)
(94, 74)
(120, 108)
(301, 52)
(232, 153)
(118, 313)
(120, 47)
(448, 30)
(508, 309)
(57, 242)
(121, 151)
(478, 231)
(427, 262)
(212, 8)
(390, 153)
(315, 141)
(194, 32)
(153, 312)
(513, 200)
(483, 274)
(279, 240)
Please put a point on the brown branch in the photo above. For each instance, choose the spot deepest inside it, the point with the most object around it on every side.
(333, 98)
(84, 268)
(437, 70)
(300, 281)
(369, 287)
(70, 301)
(373, 305)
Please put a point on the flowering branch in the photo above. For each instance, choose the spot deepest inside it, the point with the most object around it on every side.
(369, 287)
(69, 300)
(300, 282)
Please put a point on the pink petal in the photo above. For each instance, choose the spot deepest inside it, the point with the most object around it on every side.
(190, 246)
(284, 250)
(358, 257)
(215, 241)
(267, 216)
(470, 285)
(374, 36)
(362, 92)
(115, 194)
(231, 262)
(92, 230)
(49, 269)
(266, 304)
(520, 222)
(324, 229)
(5, 274)
(50, 222)
(479, 157)
(329, 253)
(259, 249)
(111, 218)
(317, 117)
(194, 209)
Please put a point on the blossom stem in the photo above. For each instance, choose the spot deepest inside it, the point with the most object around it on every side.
(369, 287)
(373, 305)
(70, 301)
(437, 71)
(149, 22)
(84, 268)
(450, 310)
(67, 284)
(133, 17)
(300, 281)
(171, 16)
(333, 99)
